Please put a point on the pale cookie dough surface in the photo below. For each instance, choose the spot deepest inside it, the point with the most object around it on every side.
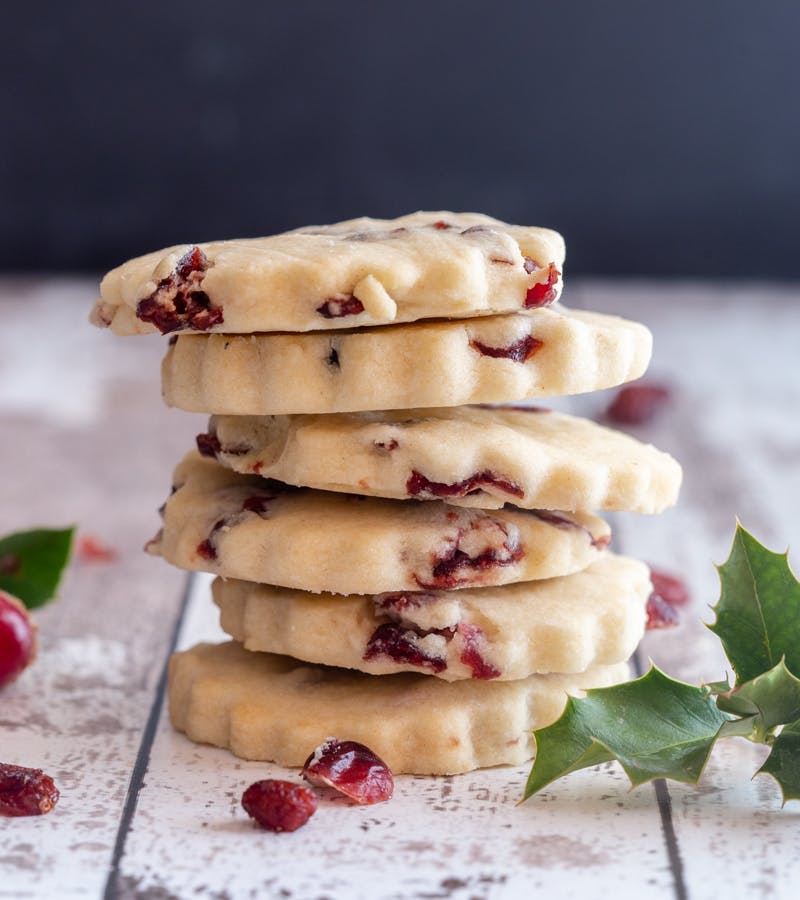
(594, 617)
(469, 455)
(273, 708)
(351, 274)
(496, 359)
(241, 526)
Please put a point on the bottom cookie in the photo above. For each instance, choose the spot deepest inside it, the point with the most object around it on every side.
(274, 708)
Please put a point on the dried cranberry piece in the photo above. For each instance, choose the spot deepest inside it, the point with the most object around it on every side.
(17, 638)
(418, 485)
(257, 504)
(207, 549)
(208, 444)
(542, 293)
(670, 588)
(386, 446)
(352, 769)
(279, 805)
(336, 307)
(441, 225)
(26, 792)
(401, 644)
(454, 567)
(660, 614)
(472, 637)
(560, 521)
(401, 601)
(92, 549)
(177, 302)
(476, 229)
(637, 404)
(520, 351)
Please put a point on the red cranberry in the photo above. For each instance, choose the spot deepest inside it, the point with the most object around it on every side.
(177, 302)
(441, 225)
(557, 520)
(670, 588)
(17, 638)
(420, 486)
(92, 549)
(25, 792)
(401, 644)
(472, 637)
(668, 593)
(336, 307)
(279, 805)
(208, 444)
(258, 503)
(520, 351)
(396, 603)
(636, 404)
(660, 614)
(454, 567)
(352, 769)
(207, 549)
(543, 293)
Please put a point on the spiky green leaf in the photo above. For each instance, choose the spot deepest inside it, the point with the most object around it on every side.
(32, 562)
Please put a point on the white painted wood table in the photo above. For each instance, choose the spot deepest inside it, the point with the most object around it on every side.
(146, 814)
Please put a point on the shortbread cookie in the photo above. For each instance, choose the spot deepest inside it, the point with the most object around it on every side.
(356, 273)
(468, 455)
(495, 359)
(241, 526)
(594, 617)
(267, 707)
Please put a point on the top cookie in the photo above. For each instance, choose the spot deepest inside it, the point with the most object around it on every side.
(350, 274)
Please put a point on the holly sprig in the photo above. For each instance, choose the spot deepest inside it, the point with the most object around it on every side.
(658, 727)
(32, 563)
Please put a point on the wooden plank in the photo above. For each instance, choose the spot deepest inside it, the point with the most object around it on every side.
(85, 441)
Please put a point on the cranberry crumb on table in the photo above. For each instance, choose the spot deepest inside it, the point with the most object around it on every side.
(25, 792)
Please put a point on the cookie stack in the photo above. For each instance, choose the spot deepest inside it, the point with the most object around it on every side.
(399, 563)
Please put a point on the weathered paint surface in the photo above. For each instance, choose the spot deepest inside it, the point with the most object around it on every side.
(92, 444)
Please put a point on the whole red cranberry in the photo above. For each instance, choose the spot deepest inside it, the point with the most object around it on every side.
(279, 805)
(352, 769)
(17, 638)
(637, 404)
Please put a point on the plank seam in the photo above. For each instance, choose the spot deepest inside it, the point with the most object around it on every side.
(142, 762)
(664, 801)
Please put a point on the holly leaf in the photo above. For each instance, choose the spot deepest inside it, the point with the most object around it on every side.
(768, 700)
(655, 727)
(758, 613)
(32, 562)
(783, 762)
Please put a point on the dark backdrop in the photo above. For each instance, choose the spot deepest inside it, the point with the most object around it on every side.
(661, 138)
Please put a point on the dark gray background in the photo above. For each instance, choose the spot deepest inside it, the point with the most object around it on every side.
(660, 138)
